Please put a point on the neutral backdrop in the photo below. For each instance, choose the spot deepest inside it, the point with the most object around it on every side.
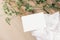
(13, 31)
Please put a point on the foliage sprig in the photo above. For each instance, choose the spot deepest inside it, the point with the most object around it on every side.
(10, 10)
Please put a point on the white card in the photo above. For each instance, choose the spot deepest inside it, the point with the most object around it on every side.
(33, 21)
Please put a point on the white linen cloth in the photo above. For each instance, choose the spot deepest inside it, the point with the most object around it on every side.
(51, 30)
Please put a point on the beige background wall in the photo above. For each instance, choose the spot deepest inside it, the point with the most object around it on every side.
(13, 31)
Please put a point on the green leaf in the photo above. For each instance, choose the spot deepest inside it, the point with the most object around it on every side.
(28, 8)
(40, 1)
(17, 13)
(57, 0)
(19, 3)
(8, 20)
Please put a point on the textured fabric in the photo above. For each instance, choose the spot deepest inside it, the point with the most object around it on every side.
(52, 31)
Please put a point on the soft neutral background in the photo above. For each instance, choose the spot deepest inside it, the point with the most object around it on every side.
(13, 31)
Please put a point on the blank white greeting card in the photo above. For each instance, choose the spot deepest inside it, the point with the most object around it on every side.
(33, 22)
